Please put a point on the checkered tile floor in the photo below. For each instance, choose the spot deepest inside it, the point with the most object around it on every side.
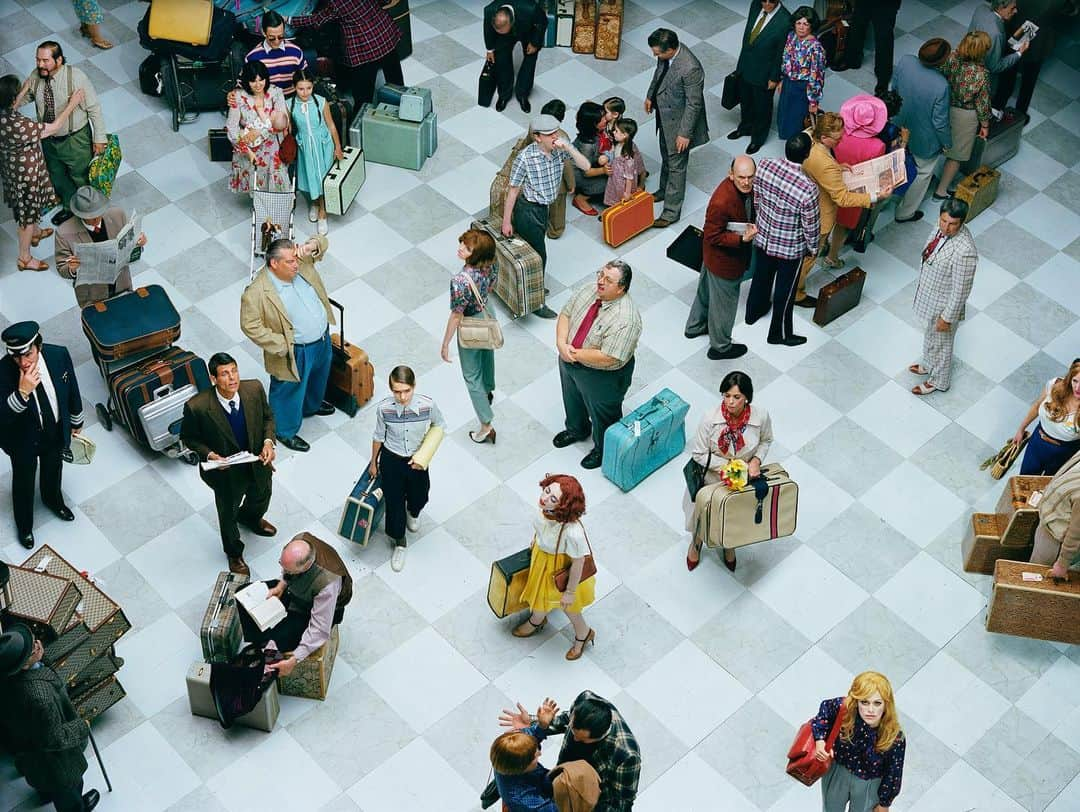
(713, 671)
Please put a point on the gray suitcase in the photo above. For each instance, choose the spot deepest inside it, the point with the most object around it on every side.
(161, 417)
(429, 133)
(356, 128)
(262, 717)
(220, 632)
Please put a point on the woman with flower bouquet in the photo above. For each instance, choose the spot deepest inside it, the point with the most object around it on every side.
(731, 444)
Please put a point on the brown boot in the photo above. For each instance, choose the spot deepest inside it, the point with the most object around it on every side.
(238, 565)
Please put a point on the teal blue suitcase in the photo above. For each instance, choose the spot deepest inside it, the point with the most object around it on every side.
(429, 133)
(391, 141)
(646, 439)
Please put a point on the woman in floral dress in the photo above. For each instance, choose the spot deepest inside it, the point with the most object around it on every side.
(803, 74)
(257, 115)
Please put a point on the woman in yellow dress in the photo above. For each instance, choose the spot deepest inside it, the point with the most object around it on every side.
(559, 541)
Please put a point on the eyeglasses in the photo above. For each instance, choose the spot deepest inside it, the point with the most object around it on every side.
(603, 277)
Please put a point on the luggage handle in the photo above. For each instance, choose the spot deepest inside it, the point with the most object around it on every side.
(341, 321)
(162, 391)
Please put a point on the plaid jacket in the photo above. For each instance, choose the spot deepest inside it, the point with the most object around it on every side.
(945, 279)
(788, 212)
(369, 32)
(617, 758)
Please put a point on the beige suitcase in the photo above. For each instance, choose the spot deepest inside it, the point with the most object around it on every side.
(994, 536)
(733, 519)
(1039, 609)
(311, 677)
(262, 717)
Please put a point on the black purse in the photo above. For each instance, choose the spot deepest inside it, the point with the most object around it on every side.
(486, 91)
(694, 474)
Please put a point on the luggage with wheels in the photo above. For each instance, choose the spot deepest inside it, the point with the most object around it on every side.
(352, 377)
(201, 701)
(413, 103)
(732, 519)
(507, 582)
(137, 386)
(628, 218)
(220, 632)
(520, 280)
(1033, 607)
(839, 296)
(344, 180)
(609, 29)
(1001, 144)
(584, 41)
(686, 250)
(979, 190)
(363, 509)
(645, 439)
(131, 323)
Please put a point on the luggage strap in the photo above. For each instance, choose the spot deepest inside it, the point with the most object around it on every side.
(761, 490)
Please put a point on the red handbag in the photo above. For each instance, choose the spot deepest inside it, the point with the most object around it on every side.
(802, 766)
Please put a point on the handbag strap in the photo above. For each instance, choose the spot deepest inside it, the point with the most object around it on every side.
(831, 740)
(559, 539)
(476, 293)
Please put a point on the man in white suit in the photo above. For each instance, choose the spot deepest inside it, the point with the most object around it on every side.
(945, 279)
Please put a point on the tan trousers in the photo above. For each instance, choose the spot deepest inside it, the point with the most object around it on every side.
(557, 210)
(808, 265)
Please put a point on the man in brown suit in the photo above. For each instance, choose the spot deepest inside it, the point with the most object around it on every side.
(234, 416)
(94, 221)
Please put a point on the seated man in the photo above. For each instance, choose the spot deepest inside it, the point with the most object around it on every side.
(315, 587)
(281, 57)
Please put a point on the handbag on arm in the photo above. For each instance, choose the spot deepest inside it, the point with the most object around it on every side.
(802, 765)
(694, 474)
(561, 577)
(479, 332)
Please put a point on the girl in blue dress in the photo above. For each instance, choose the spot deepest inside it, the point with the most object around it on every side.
(318, 144)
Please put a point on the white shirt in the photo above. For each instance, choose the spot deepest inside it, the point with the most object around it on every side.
(50, 390)
(547, 535)
(1065, 430)
(226, 403)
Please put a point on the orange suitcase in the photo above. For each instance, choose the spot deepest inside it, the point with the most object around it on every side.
(626, 220)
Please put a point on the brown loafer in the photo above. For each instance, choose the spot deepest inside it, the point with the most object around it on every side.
(263, 528)
(660, 222)
(238, 565)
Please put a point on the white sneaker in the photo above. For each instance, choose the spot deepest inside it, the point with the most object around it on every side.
(412, 522)
(322, 228)
(397, 559)
(312, 214)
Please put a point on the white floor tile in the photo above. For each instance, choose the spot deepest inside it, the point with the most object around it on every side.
(963, 788)
(931, 598)
(182, 560)
(161, 777)
(439, 574)
(179, 174)
(165, 647)
(914, 503)
(393, 785)
(693, 786)
(903, 422)
(865, 339)
(797, 693)
(264, 765)
(795, 428)
(321, 478)
(820, 500)
(1047, 701)
(992, 349)
(547, 672)
(992, 418)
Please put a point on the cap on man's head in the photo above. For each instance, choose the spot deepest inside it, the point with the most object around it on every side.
(16, 646)
(544, 124)
(88, 203)
(19, 338)
(934, 51)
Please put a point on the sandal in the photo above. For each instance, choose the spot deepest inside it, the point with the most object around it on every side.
(917, 369)
(43, 234)
(32, 265)
(535, 628)
(923, 389)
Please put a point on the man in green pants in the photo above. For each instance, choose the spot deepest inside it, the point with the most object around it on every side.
(67, 153)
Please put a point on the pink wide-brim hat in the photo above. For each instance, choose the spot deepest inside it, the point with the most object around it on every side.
(864, 115)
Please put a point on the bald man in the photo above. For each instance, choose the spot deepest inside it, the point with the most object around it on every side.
(726, 248)
(315, 587)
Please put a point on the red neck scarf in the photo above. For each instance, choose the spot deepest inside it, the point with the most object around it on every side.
(732, 434)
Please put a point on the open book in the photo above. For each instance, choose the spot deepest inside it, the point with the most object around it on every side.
(265, 610)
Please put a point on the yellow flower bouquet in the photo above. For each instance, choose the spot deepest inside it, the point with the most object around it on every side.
(735, 475)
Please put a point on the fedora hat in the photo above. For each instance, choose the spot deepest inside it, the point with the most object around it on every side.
(864, 115)
(88, 203)
(15, 648)
(934, 51)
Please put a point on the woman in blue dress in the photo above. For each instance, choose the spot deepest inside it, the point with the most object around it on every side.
(318, 144)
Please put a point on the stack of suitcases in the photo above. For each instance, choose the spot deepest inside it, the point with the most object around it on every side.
(1008, 532)
(78, 625)
(401, 129)
(597, 27)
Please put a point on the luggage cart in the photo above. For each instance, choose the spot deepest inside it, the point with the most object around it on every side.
(271, 219)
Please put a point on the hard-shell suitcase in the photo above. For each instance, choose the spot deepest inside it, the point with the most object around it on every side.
(549, 32)
(99, 669)
(839, 296)
(609, 29)
(341, 113)
(43, 601)
(201, 701)
(131, 323)
(363, 509)
(98, 698)
(520, 280)
(564, 23)
(986, 543)
(221, 150)
(1014, 505)
(584, 38)
(136, 386)
(220, 632)
(979, 190)
(160, 418)
(69, 654)
(507, 582)
(1002, 143)
(645, 439)
(413, 103)
(311, 678)
(732, 519)
(687, 248)
(628, 218)
(391, 141)
(344, 180)
(1033, 608)
(429, 134)
(356, 127)
(351, 383)
(181, 20)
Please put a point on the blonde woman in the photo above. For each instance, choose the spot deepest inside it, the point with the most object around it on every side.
(868, 758)
(1056, 436)
(969, 103)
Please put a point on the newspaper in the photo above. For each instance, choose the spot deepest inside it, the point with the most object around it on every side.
(870, 177)
(239, 458)
(738, 228)
(1027, 33)
(100, 263)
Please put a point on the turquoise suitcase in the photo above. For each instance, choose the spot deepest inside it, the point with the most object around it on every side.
(413, 103)
(391, 141)
(646, 439)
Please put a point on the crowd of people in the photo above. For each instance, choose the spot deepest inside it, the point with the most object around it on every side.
(771, 221)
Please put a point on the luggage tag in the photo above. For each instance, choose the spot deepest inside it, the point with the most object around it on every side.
(637, 428)
(43, 564)
(1031, 576)
(1035, 498)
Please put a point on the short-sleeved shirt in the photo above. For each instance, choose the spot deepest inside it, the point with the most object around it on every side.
(538, 174)
(617, 327)
(1066, 430)
(462, 299)
(547, 535)
(623, 168)
(305, 309)
(402, 428)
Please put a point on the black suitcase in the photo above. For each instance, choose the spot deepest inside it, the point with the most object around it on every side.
(150, 81)
(686, 250)
(340, 109)
(863, 233)
(220, 147)
(135, 387)
(1000, 145)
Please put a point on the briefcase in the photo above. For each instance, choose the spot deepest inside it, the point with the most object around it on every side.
(98, 698)
(520, 280)
(160, 419)
(732, 519)
(979, 190)
(221, 149)
(628, 218)
(609, 29)
(201, 701)
(344, 180)
(729, 96)
(839, 296)
(135, 387)
(1041, 609)
(390, 140)
(43, 601)
(181, 20)
(220, 632)
(687, 248)
(584, 41)
(564, 22)
(1001, 144)
(413, 103)
(131, 323)
(645, 440)
(507, 582)
(987, 541)
(363, 509)
(351, 383)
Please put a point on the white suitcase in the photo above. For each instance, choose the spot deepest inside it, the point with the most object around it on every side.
(564, 23)
(161, 417)
(201, 701)
(344, 180)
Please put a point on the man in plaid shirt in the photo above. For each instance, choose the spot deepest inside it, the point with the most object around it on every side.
(370, 36)
(788, 220)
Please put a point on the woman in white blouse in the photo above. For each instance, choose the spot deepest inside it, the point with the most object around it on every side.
(1055, 438)
(733, 430)
(559, 541)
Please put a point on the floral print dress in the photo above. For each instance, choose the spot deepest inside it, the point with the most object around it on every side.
(27, 188)
(247, 116)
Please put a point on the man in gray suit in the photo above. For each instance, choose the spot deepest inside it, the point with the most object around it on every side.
(677, 93)
(1001, 58)
(925, 112)
(945, 279)
(758, 69)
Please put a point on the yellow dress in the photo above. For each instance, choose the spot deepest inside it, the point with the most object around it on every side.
(540, 592)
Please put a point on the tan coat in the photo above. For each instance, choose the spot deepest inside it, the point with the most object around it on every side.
(823, 169)
(264, 320)
(72, 232)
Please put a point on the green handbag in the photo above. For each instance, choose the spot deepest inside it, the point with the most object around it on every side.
(104, 167)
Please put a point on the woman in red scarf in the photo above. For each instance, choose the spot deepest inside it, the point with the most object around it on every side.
(734, 430)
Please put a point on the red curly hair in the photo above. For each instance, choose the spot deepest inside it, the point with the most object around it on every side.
(572, 505)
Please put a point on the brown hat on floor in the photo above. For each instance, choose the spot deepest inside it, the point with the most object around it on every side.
(934, 51)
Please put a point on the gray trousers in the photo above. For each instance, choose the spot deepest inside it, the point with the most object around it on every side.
(478, 370)
(530, 222)
(937, 350)
(593, 398)
(672, 176)
(913, 197)
(714, 307)
(841, 787)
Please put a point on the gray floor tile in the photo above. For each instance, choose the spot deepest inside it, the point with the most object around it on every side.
(833, 451)
(160, 508)
(632, 637)
(837, 375)
(1053, 139)
(872, 637)
(1043, 774)
(863, 547)
(953, 468)
(1014, 249)
(1010, 665)
(1014, 310)
(420, 213)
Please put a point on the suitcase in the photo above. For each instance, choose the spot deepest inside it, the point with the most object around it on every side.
(201, 701)
(363, 510)
(979, 190)
(626, 219)
(99, 669)
(399, 11)
(429, 134)
(686, 250)
(839, 296)
(181, 20)
(134, 387)
(564, 23)
(356, 128)
(413, 103)
(609, 29)
(220, 632)
(344, 180)
(584, 37)
(833, 38)
(520, 281)
(150, 81)
(341, 113)
(391, 141)
(131, 323)
(351, 383)
(221, 149)
(863, 233)
(732, 519)
(508, 577)
(99, 698)
(497, 195)
(986, 543)
(1020, 517)
(311, 677)
(43, 601)
(69, 654)
(160, 418)
(1039, 609)
(645, 439)
(1002, 143)
(551, 7)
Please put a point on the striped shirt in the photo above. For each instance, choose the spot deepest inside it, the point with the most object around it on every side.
(402, 428)
(788, 212)
(617, 327)
(282, 62)
(538, 173)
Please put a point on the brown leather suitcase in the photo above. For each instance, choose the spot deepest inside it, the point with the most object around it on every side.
(839, 296)
(987, 542)
(584, 41)
(352, 377)
(609, 29)
(1020, 517)
(44, 602)
(979, 190)
(1041, 609)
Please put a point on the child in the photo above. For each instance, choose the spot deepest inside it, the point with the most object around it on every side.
(523, 781)
(614, 107)
(627, 166)
(317, 141)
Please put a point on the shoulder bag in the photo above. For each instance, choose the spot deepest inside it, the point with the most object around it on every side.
(588, 569)
(694, 474)
(479, 332)
(287, 147)
(802, 766)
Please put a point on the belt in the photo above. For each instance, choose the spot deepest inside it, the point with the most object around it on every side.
(59, 138)
(318, 340)
(524, 199)
(1053, 441)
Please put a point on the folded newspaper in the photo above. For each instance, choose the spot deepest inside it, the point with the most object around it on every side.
(239, 458)
(263, 608)
(1027, 33)
(870, 177)
(100, 263)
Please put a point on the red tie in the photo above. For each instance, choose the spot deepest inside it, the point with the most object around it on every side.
(929, 250)
(586, 325)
